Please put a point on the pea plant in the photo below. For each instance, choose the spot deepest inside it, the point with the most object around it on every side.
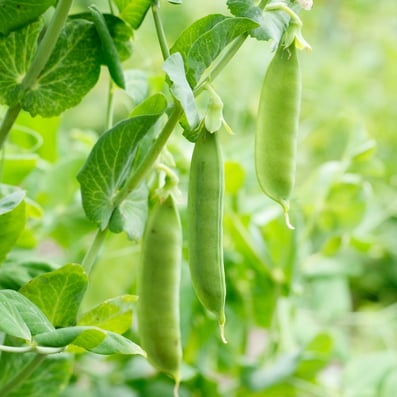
(130, 183)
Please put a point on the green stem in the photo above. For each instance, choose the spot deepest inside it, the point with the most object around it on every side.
(223, 61)
(109, 108)
(93, 250)
(47, 44)
(283, 7)
(8, 121)
(160, 30)
(111, 7)
(22, 375)
(136, 178)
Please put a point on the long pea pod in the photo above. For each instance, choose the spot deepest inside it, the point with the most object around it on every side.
(205, 225)
(110, 53)
(277, 127)
(158, 289)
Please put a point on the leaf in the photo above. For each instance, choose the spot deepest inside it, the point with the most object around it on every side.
(17, 50)
(12, 322)
(58, 293)
(90, 338)
(83, 336)
(316, 356)
(130, 216)
(14, 16)
(272, 24)
(137, 85)
(31, 315)
(72, 70)
(133, 11)
(203, 41)
(117, 344)
(180, 88)
(12, 217)
(112, 315)
(111, 160)
(14, 275)
(48, 380)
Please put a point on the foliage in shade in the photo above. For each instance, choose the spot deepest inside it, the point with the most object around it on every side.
(47, 380)
(14, 15)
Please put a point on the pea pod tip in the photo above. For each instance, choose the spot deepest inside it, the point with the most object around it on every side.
(287, 221)
(222, 332)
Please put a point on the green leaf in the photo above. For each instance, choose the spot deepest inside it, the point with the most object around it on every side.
(13, 15)
(17, 50)
(72, 70)
(48, 380)
(58, 293)
(112, 315)
(32, 317)
(12, 322)
(12, 217)
(83, 336)
(14, 275)
(180, 88)
(89, 338)
(316, 356)
(136, 84)
(272, 24)
(111, 159)
(203, 41)
(133, 11)
(117, 344)
(130, 216)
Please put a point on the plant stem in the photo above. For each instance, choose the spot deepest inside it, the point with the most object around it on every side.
(109, 108)
(47, 44)
(136, 178)
(279, 6)
(8, 121)
(93, 250)
(111, 7)
(22, 375)
(42, 55)
(220, 65)
(160, 30)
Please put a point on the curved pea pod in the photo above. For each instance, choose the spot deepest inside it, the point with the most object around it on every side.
(277, 127)
(158, 289)
(205, 225)
(110, 53)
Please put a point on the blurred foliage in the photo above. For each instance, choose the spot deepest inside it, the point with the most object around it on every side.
(311, 312)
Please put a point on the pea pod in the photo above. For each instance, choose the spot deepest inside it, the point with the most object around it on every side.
(205, 225)
(110, 53)
(158, 289)
(277, 127)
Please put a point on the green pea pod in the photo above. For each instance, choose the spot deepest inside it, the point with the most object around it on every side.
(205, 212)
(277, 127)
(158, 289)
(110, 53)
